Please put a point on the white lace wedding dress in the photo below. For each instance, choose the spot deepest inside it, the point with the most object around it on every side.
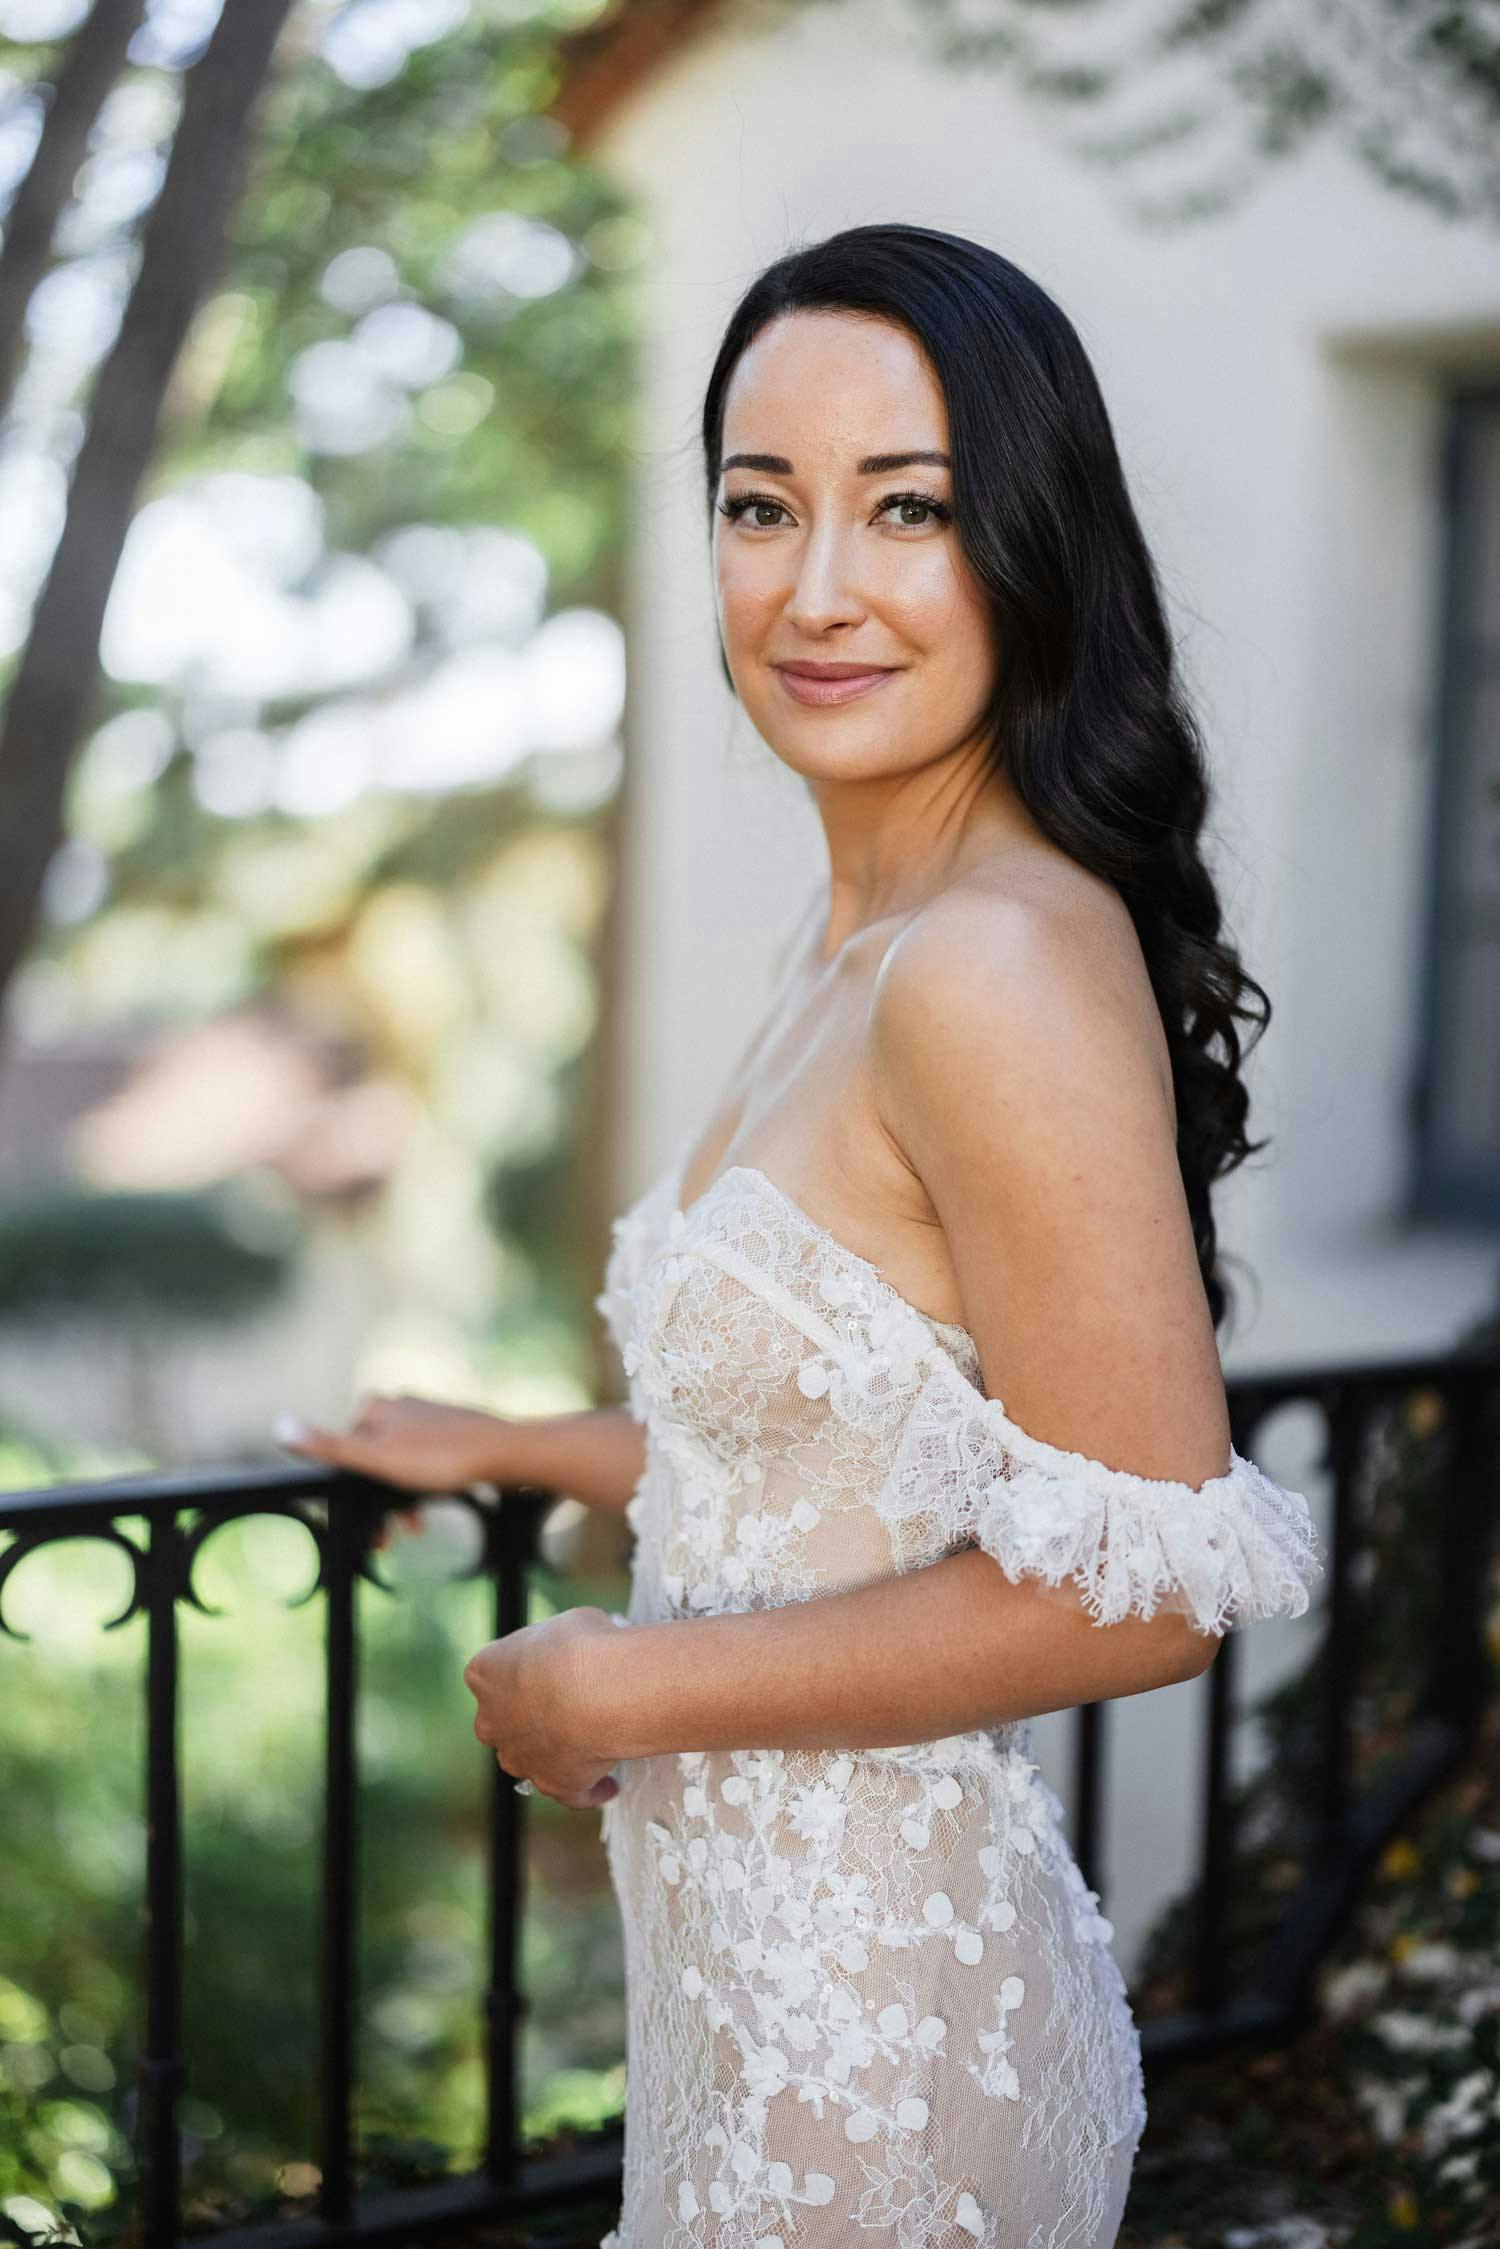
(870, 1998)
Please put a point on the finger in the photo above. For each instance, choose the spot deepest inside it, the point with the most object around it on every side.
(340, 1449)
(297, 1435)
(591, 1799)
(374, 1415)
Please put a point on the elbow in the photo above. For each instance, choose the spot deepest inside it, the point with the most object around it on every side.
(1168, 1649)
(1185, 1651)
(1197, 1651)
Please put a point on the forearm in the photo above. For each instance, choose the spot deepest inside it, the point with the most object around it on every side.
(940, 1650)
(595, 1456)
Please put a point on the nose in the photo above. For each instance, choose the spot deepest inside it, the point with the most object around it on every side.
(824, 591)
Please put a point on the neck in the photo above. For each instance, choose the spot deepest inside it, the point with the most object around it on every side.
(894, 844)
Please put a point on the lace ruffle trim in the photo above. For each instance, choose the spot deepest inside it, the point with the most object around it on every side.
(1226, 1551)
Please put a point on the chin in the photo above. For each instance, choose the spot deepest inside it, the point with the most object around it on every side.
(816, 762)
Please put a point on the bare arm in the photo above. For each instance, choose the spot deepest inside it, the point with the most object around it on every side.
(939, 1651)
(595, 1455)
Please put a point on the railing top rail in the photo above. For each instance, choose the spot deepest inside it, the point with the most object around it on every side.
(161, 1491)
(1456, 1364)
(157, 1488)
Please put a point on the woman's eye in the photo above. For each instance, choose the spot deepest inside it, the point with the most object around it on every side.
(916, 500)
(742, 504)
(734, 509)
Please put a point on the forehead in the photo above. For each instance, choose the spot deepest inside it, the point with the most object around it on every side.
(833, 383)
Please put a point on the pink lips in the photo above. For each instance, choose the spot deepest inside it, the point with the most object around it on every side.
(831, 683)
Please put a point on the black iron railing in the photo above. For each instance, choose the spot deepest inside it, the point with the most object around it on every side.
(1352, 1826)
(342, 1511)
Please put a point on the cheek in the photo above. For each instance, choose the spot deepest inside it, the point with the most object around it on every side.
(948, 620)
(746, 595)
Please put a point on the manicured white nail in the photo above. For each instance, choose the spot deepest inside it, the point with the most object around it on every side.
(287, 1429)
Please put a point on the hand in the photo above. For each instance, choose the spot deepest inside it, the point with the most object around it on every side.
(418, 1442)
(541, 1709)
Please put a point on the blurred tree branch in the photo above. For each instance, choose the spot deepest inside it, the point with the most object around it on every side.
(94, 59)
(57, 677)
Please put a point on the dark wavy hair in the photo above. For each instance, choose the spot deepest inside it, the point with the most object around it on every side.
(1088, 720)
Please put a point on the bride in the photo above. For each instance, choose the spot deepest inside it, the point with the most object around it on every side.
(927, 1431)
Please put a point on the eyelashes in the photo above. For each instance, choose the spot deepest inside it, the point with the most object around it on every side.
(742, 501)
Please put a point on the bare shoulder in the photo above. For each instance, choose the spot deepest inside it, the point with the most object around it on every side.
(1017, 1065)
(1011, 987)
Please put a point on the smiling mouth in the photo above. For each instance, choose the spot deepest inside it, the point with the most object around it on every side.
(840, 683)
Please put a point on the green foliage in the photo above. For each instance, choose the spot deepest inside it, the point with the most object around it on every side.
(445, 932)
(220, 1254)
(412, 168)
(466, 215)
(72, 1751)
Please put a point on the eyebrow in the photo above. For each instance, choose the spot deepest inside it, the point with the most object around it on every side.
(873, 464)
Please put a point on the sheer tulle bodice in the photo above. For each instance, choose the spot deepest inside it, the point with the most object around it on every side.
(870, 1996)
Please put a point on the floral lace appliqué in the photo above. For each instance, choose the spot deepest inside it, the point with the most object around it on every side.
(870, 1994)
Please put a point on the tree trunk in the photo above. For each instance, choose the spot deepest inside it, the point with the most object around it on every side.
(57, 679)
(94, 59)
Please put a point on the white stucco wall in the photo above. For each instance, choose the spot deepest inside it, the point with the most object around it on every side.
(1273, 377)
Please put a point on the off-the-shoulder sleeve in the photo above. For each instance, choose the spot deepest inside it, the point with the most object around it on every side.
(1224, 1552)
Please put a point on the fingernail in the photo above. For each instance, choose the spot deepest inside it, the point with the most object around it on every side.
(287, 1429)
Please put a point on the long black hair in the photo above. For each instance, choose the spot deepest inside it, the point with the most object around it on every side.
(1088, 720)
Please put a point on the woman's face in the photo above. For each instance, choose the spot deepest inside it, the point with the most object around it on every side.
(830, 564)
